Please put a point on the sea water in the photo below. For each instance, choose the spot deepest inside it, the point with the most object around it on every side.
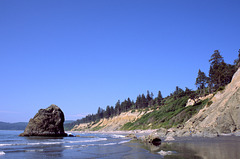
(108, 146)
(86, 146)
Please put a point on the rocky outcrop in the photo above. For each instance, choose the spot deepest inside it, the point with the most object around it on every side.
(191, 102)
(132, 136)
(152, 139)
(223, 115)
(47, 122)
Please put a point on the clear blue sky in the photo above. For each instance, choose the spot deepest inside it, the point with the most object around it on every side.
(82, 54)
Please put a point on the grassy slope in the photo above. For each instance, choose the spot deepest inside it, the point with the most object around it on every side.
(171, 114)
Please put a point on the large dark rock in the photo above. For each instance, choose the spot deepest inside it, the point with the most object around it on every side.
(47, 122)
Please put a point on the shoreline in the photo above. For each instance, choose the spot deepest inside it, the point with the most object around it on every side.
(163, 133)
(136, 132)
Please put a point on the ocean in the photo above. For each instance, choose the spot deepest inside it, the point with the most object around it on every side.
(115, 146)
(89, 146)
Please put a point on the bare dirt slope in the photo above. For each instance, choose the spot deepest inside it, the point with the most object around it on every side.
(111, 124)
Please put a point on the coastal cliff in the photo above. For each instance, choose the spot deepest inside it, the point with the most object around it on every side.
(111, 124)
(223, 115)
(211, 115)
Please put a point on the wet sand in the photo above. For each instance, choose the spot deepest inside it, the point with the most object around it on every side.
(183, 147)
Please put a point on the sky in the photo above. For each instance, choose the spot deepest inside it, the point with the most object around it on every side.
(85, 54)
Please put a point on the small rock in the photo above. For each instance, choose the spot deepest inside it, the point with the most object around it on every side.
(169, 138)
(153, 139)
(165, 153)
(133, 136)
(237, 133)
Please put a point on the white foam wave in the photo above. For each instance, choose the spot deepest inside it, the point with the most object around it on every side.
(5, 145)
(30, 151)
(68, 146)
(118, 136)
(53, 143)
(33, 143)
(165, 153)
(2, 153)
(109, 144)
(122, 142)
(93, 140)
(39, 150)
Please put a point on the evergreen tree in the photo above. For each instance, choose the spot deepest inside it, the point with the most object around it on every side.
(144, 103)
(138, 102)
(237, 61)
(112, 111)
(129, 104)
(149, 98)
(107, 113)
(178, 93)
(100, 113)
(201, 81)
(159, 98)
(117, 108)
(216, 69)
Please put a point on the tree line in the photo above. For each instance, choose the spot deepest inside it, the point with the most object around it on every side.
(219, 75)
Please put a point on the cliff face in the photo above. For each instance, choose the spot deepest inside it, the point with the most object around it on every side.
(111, 124)
(223, 115)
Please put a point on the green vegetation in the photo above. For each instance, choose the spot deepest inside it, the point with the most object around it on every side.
(169, 111)
(209, 103)
(172, 114)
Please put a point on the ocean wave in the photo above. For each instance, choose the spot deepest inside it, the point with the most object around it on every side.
(54, 143)
(108, 144)
(68, 146)
(2, 153)
(93, 140)
(5, 145)
(38, 150)
(117, 136)
(122, 142)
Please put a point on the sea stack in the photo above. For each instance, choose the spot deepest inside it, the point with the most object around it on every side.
(47, 122)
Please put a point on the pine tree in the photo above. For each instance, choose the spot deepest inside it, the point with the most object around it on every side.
(149, 98)
(139, 102)
(144, 103)
(117, 108)
(216, 69)
(100, 113)
(159, 98)
(129, 104)
(107, 113)
(112, 111)
(237, 61)
(201, 81)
